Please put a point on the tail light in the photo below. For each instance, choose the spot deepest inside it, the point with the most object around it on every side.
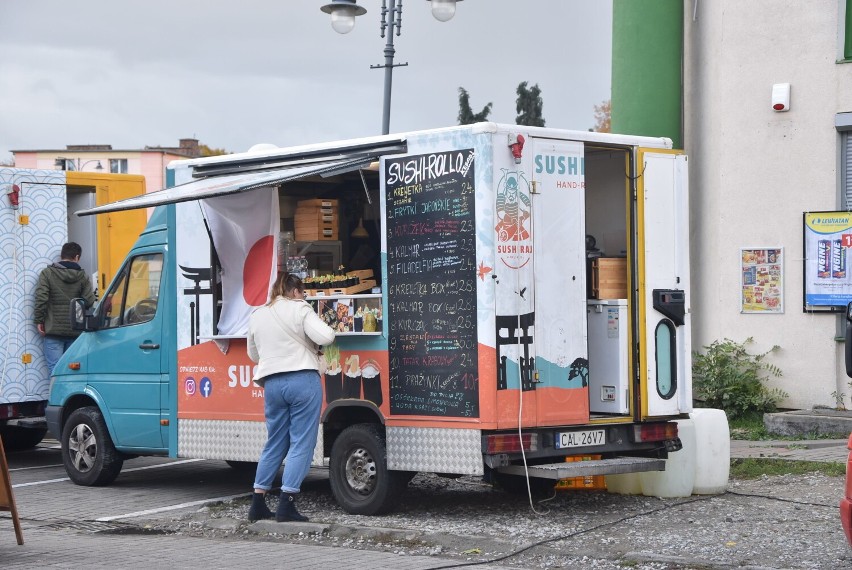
(654, 432)
(511, 443)
(14, 196)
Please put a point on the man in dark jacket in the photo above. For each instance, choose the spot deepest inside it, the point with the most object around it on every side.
(58, 283)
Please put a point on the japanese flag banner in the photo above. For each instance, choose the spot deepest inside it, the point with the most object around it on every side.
(245, 231)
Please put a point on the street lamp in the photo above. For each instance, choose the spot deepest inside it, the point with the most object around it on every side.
(343, 13)
(74, 164)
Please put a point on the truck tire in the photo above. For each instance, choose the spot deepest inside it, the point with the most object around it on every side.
(358, 472)
(17, 438)
(88, 453)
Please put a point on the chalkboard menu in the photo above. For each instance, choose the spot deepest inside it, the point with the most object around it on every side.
(431, 257)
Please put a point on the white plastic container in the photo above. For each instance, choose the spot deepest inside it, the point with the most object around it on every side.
(679, 477)
(713, 451)
(624, 484)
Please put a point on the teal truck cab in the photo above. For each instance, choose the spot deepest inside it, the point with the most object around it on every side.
(114, 382)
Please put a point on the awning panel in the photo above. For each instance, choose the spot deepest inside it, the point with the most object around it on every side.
(231, 184)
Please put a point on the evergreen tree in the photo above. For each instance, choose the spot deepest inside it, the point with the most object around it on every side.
(466, 114)
(528, 106)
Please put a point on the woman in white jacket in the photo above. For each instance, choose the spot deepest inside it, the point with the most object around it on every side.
(282, 338)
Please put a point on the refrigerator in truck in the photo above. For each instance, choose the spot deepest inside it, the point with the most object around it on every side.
(609, 374)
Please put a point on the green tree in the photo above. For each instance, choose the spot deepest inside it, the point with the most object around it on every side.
(466, 114)
(603, 117)
(529, 106)
(209, 151)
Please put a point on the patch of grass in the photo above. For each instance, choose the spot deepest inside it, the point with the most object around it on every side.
(749, 427)
(755, 468)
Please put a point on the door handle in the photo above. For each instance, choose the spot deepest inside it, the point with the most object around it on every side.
(148, 346)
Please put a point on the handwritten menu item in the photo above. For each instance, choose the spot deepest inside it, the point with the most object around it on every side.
(431, 261)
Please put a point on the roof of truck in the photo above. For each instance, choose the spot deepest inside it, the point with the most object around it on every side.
(265, 166)
(266, 151)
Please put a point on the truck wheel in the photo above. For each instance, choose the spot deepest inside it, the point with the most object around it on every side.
(17, 438)
(358, 472)
(88, 453)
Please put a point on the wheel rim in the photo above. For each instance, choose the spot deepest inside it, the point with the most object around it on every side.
(361, 471)
(82, 448)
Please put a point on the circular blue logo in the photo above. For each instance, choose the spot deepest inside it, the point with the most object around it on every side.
(206, 387)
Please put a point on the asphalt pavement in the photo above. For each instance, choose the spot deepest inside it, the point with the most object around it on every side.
(45, 547)
(51, 546)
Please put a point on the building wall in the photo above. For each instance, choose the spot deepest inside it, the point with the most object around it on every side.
(754, 171)
(150, 164)
(153, 167)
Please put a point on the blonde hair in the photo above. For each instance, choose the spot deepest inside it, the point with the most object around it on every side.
(285, 285)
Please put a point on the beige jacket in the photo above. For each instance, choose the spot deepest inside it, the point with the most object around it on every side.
(278, 349)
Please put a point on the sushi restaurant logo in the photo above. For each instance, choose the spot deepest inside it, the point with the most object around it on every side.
(514, 243)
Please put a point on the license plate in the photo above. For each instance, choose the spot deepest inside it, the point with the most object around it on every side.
(583, 438)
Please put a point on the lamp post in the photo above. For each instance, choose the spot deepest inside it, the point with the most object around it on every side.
(343, 13)
(75, 164)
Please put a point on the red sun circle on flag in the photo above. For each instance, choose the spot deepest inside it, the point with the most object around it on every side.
(256, 271)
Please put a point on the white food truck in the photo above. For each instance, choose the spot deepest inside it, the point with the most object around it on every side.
(506, 298)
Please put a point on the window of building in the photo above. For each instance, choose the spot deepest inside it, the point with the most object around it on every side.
(843, 124)
(844, 31)
(118, 165)
(846, 169)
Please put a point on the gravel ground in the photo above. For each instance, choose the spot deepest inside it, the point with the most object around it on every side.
(779, 522)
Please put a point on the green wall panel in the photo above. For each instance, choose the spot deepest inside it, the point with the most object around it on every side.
(647, 54)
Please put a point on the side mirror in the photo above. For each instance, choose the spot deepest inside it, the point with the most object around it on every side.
(81, 319)
(848, 346)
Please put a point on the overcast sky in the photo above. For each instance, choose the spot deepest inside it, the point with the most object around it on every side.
(133, 73)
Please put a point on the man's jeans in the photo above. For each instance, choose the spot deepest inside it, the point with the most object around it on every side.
(292, 402)
(54, 348)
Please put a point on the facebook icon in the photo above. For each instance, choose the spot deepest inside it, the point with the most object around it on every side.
(206, 387)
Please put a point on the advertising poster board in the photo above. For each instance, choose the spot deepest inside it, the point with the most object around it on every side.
(762, 270)
(827, 280)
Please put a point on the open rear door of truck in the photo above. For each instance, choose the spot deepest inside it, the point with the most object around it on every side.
(662, 216)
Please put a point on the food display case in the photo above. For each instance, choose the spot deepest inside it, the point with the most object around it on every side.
(350, 314)
(348, 283)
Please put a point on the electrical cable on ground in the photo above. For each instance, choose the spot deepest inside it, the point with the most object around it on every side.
(623, 519)
(780, 499)
(573, 534)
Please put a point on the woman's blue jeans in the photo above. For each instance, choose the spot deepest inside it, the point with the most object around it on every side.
(292, 402)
